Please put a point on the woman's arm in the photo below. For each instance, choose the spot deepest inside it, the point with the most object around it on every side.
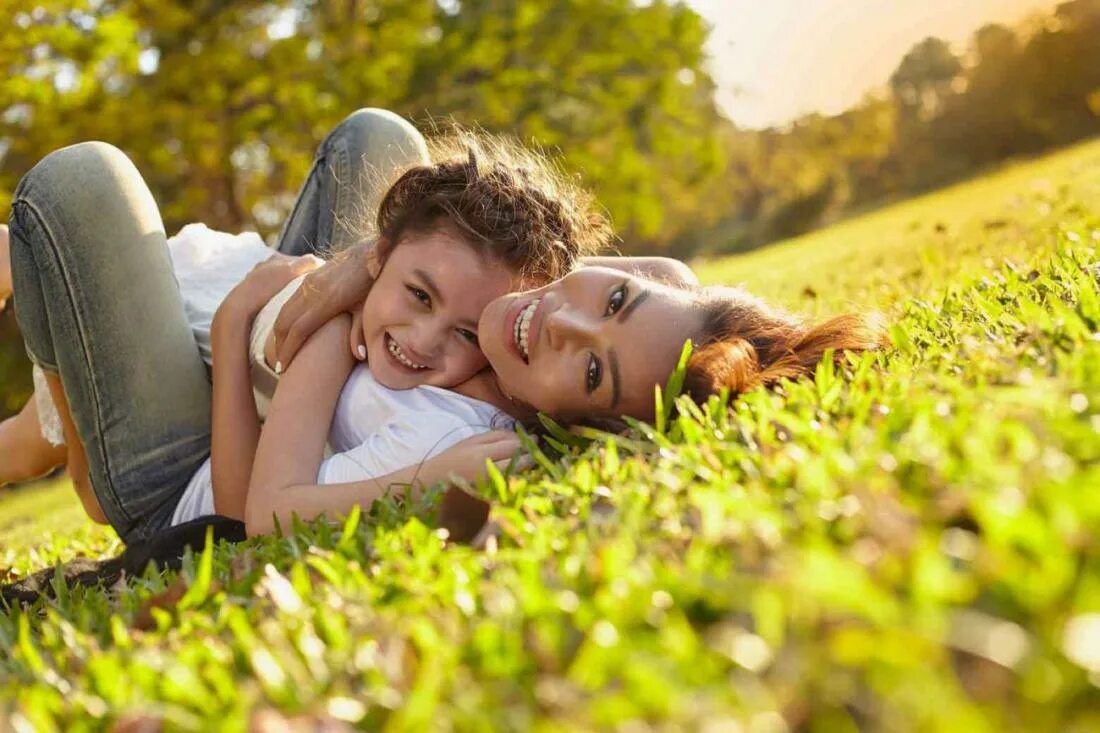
(665, 269)
(338, 286)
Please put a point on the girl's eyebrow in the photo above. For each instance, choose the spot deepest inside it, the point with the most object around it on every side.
(429, 285)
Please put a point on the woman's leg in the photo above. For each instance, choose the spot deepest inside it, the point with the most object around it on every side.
(359, 157)
(98, 304)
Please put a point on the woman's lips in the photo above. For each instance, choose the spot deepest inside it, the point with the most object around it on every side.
(514, 313)
(511, 315)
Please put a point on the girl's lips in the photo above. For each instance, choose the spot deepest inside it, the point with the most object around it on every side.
(409, 354)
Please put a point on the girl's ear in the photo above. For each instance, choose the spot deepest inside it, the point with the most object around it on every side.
(375, 258)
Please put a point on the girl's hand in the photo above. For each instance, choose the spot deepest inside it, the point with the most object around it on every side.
(465, 460)
(264, 281)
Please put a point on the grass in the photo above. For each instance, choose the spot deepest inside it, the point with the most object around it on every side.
(907, 542)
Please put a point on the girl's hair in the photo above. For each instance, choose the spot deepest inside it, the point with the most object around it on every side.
(744, 343)
(511, 204)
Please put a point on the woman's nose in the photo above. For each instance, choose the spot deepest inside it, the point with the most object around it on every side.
(565, 325)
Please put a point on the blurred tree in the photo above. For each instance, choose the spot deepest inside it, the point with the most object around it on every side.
(923, 80)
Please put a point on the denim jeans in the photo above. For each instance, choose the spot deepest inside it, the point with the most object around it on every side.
(98, 304)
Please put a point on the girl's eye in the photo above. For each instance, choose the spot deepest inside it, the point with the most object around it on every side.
(420, 294)
(468, 335)
(594, 374)
(616, 301)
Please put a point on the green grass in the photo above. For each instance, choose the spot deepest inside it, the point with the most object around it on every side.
(907, 542)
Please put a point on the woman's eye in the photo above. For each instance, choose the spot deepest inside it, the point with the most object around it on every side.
(420, 294)
(468, 335)
(616, 301)
(594, 373)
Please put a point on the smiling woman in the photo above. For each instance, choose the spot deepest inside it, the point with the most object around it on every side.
(591, 344)
(595, 343)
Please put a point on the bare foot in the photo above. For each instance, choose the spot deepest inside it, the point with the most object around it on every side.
(5, 266)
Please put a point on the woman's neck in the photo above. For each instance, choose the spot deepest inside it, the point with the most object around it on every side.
(484, 386)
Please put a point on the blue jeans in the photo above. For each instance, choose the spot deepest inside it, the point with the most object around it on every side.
(98, 304)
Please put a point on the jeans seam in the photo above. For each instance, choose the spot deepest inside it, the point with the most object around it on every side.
(96, 399)
(339, 169)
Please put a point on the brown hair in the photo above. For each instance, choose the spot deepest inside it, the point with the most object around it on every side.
(745, 343)
(508, 202)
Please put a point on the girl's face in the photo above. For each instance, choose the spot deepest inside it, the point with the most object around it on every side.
(591, 344)
(420, 319)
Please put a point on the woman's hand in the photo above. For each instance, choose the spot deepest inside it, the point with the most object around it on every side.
(338, 286)
(264, 281)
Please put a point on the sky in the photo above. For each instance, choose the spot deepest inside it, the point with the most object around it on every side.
(774, 60)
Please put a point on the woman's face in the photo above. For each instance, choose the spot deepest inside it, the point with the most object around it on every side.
(591, 344)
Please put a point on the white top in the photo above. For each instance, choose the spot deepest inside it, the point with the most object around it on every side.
(374, 431)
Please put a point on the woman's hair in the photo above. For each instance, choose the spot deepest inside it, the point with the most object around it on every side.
(745, 343)
(509, 203)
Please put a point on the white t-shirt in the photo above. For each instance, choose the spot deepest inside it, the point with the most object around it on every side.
(374, 431)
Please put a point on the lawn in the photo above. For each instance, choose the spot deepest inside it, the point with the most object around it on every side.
(910, 541)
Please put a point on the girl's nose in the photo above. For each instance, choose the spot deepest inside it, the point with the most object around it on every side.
(427, 339)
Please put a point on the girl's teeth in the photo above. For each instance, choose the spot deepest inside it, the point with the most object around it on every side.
(400, 356)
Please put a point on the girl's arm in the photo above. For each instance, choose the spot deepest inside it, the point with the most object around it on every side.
(235, 428)
(665, 269)
(291, 446)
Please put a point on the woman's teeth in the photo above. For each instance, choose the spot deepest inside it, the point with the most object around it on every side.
(400, 356)
(523, 325)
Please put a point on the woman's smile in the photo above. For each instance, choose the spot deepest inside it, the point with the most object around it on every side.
(545, 346)
(524, 333)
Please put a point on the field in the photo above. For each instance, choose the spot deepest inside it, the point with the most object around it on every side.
(910, 541)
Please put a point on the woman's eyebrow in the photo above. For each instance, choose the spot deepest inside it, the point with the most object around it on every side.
(629, 308)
